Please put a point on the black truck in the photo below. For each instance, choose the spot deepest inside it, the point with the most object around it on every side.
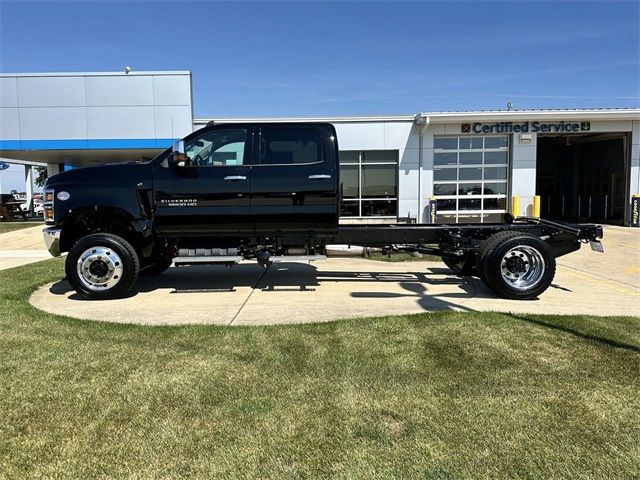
(269, 192)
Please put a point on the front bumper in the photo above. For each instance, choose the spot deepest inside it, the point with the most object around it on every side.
(52, 240)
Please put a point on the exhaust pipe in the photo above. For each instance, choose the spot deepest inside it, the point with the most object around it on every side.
(349, 250)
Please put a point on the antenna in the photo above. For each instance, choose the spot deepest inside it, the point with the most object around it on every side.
(127, 69)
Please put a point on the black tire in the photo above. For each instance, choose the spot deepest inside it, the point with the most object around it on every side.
(529, 260)
(463, 266)
(157, 266)
(116, 253)
(486, 246)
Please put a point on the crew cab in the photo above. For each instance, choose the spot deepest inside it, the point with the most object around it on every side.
(269, 192)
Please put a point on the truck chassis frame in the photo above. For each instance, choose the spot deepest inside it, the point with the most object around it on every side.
(516, 259)
(461, 239)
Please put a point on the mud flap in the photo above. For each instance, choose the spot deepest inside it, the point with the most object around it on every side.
(596, 246)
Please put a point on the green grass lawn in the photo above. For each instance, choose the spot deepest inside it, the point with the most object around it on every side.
(447, 395)
(12, 225)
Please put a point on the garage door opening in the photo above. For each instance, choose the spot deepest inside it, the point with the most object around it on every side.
(582, 177)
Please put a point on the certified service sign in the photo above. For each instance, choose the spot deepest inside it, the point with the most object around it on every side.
(62, 196)
(526, 127)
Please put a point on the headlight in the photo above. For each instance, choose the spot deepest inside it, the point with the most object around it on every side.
(48, 205)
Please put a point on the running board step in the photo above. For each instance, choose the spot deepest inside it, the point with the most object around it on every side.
(202, 260)
(206, 252)
(296, 258)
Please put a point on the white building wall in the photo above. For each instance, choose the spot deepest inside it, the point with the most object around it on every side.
(147, 107)
(360, 136)
(404, 137)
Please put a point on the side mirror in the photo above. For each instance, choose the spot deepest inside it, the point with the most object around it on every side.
(178, 158)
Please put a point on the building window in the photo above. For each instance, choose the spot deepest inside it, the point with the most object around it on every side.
(470, 177)
(369, 183)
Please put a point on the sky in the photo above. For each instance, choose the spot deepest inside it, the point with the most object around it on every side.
(314, 58)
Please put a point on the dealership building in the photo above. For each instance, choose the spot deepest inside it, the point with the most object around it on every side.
(581, 164)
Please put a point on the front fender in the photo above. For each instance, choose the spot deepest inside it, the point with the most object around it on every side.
(82, 220)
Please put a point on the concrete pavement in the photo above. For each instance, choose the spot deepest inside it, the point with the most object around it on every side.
(21, 247)
(586, 282)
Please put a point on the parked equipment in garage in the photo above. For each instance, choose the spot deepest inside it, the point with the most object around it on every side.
(269, 192)
(583, 176)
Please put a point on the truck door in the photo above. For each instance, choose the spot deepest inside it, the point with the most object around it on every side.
(209, 195)
(295, 180)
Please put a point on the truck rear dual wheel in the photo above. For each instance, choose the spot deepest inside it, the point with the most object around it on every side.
(102, 266)
(516, 265)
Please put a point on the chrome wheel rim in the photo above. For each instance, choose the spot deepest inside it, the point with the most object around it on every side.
(522, 267)
(99, 268)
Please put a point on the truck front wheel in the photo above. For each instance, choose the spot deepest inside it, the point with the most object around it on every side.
(517, 265)
(102, 266)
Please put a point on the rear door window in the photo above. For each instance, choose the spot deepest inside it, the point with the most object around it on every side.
(290, 145)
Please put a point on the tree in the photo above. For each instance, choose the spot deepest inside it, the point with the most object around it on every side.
(41, 176)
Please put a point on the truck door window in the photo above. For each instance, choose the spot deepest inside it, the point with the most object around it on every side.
(290, 145)
(218, 148)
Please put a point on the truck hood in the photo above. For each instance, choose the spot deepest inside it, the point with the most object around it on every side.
(108, 174)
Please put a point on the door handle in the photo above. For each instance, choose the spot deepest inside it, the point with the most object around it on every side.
(233, 178)
(319, 177)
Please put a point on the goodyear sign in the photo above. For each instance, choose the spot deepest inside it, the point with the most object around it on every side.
(635, 211)
(526, 127)
(432, 209)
